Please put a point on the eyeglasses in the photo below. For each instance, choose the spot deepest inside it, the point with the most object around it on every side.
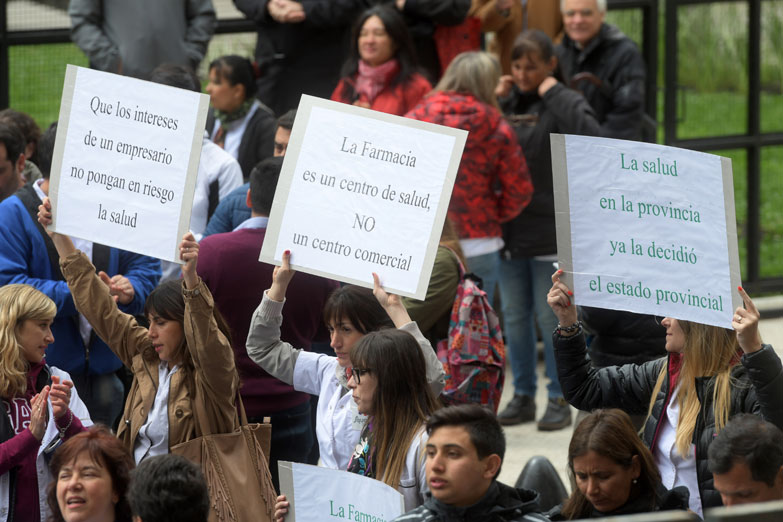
(357, 373)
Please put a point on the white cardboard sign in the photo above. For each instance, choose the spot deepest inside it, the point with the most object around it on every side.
(360, 192)
(646, 228)
(126, 161)
(316, 493)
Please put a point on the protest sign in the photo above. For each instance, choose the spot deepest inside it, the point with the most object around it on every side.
(125, 161)
(646, 228)
(316, 493)
(361, 192)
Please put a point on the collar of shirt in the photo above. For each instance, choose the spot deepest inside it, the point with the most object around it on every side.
(253, 222)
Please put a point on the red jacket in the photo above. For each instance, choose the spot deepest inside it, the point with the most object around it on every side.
(493, 184)
(397, 99)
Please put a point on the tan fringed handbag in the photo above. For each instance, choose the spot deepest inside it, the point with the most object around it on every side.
(236, 468)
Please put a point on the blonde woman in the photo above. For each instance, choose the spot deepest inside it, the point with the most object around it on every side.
(493, 184)
(41, 407)
(709, 375)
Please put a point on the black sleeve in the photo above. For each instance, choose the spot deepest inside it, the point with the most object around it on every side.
(443, 12)
(624, 119)
(571, 111)
(628, 387)
(766, 374)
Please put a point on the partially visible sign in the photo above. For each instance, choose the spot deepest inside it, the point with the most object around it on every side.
(316, 493)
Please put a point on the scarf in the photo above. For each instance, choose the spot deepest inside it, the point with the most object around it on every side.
(361, 460)
(372, 80)
(229, 120)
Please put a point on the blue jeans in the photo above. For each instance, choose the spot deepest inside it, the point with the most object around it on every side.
(487, 267)
(524, 284)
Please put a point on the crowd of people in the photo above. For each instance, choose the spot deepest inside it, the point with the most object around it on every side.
(110, 359)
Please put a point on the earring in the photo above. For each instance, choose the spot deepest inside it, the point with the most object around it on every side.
(635, 481)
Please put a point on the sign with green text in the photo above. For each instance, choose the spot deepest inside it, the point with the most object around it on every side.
(316, 493)
(646, 228)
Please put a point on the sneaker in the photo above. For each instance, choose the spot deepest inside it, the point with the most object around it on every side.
(522, 408)
(557, 415)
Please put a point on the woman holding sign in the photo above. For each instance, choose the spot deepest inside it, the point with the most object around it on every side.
(350, 313)
(380, 73)
(183, 364)
(710, 374)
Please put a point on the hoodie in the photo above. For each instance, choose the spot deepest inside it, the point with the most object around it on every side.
(493, 184)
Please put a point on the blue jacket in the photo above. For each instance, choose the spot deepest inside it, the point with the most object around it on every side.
(25, 258)
(230, 212)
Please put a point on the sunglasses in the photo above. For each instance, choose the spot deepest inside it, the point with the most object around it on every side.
(357, 373)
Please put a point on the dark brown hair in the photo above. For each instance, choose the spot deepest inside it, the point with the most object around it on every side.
(106, 451)
(611, 434)
(166, 301)
(537, 42)
(359, 306)
(402, 400)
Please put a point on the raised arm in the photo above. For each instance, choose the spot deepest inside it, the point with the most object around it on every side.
(628, 387)
(392, 303)
(263, 345)
(763, 364)
(93, 298)
(210, 349)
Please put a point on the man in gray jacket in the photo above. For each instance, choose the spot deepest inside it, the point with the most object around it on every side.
(132, 38)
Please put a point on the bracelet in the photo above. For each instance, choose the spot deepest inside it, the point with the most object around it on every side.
(577, 326)
(70, 421)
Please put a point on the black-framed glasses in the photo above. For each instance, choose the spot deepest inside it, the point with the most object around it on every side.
(357, 373)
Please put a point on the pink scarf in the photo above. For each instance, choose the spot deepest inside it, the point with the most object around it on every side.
(372, 80)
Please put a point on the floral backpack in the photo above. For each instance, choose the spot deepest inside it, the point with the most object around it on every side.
(473, 355)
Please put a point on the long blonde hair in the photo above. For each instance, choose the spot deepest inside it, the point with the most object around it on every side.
(709, 351)
(18, 303)
(472, 72)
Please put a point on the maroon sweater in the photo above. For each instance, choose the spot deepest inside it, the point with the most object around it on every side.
(228, 264)
(19, 452)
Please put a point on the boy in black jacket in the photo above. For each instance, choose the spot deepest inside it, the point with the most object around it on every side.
(464, 453)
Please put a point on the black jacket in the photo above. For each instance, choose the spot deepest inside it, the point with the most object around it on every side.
(665, 500)
(616, 61)
(258, 140)
(501, 503)
(422, 17)
(300, 58)
(622, 337)
(533, 118)
(757, 387)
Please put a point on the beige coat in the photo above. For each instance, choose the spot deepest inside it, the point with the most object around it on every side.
(214, 380)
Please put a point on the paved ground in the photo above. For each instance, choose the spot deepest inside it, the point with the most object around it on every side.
(524, 441)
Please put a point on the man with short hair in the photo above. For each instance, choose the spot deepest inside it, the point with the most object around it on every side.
(228, 264)
(746, 461)
(11, 160)
(233, 209)
(464, 453)
(605, 65)
(168, 488)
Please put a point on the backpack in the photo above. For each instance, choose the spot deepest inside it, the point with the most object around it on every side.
(473, 355)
